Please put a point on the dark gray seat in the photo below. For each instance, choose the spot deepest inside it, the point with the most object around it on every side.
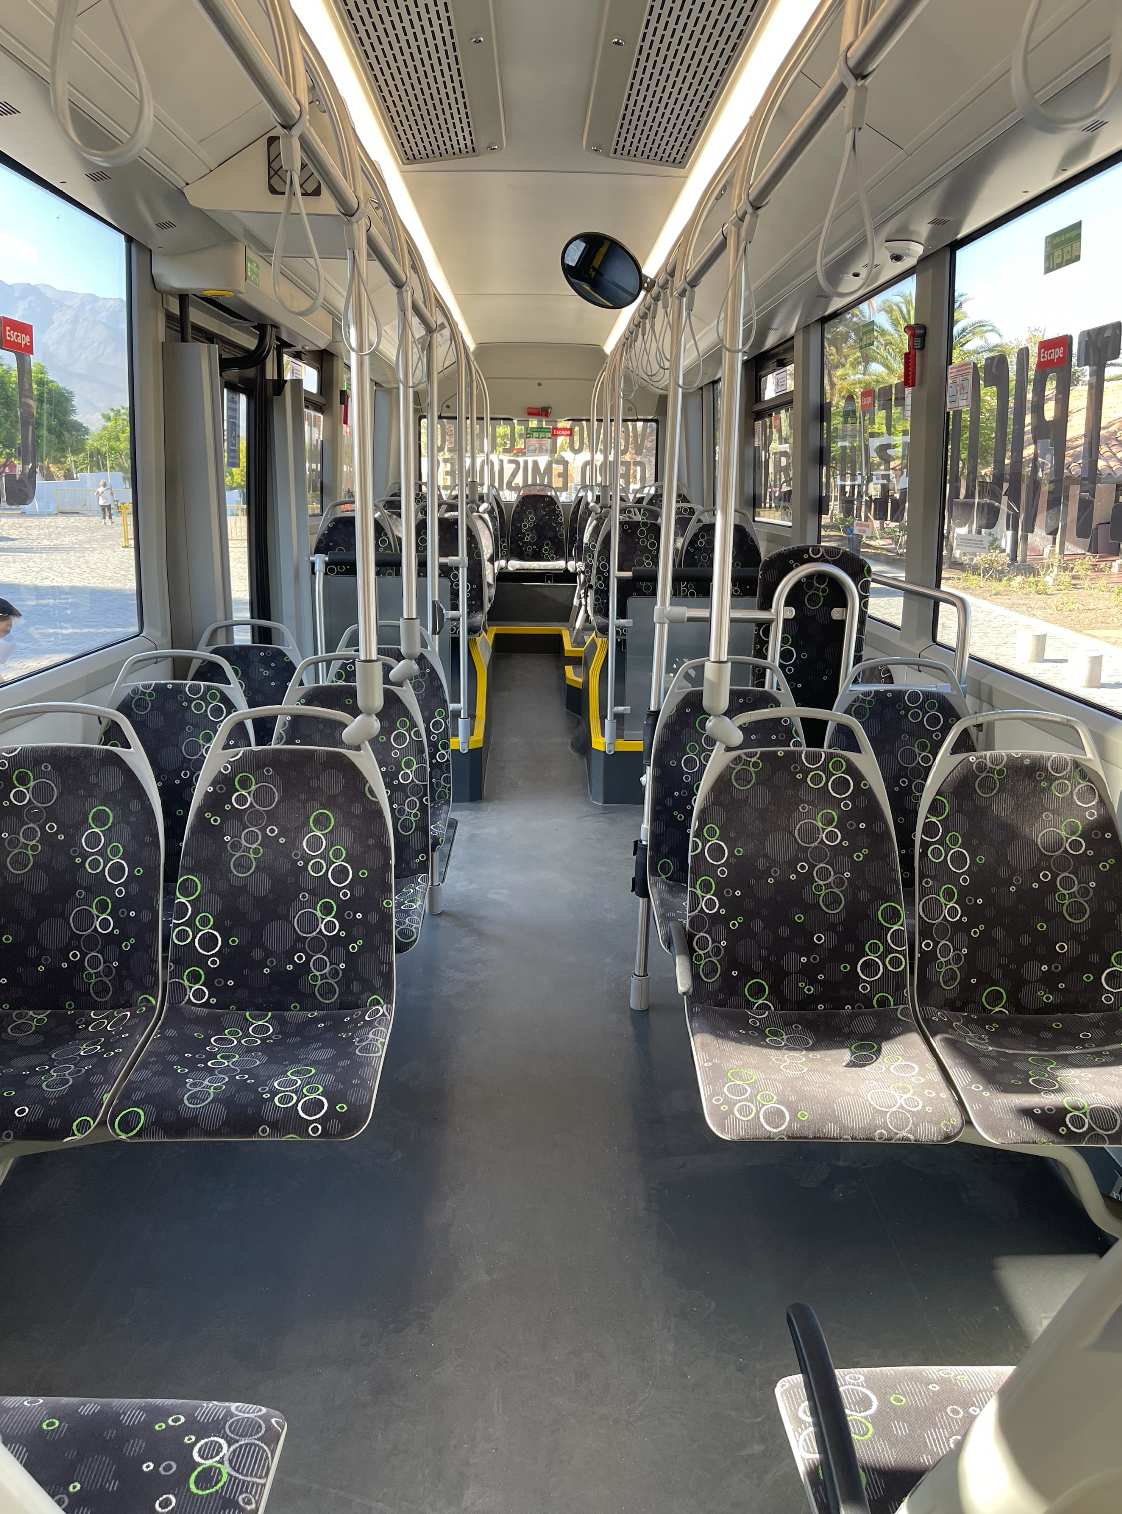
(639, 534)
(280, 987)
(399, 750)
(679, 753)
(263, 671)
(176, 721)
(812, 641)
(799, 1008)
(83, 853)
(135, 1455)
(536, 535)
(1019, 938)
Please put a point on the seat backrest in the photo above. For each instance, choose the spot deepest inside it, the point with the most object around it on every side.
(1048, 1439)
(907, 725)
(428, 688)
(1019, 882)
(681, 750)
(812, 643)
(337, 531)
(82, 844)
(398, 748)
(795, 899)
(285, 895)
(697, 552)
(175, 721)
(263, 674)
(449, 549)
(638, 548)
(537, 529)
(578, 514)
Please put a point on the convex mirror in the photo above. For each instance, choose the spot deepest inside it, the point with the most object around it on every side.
(601, 270)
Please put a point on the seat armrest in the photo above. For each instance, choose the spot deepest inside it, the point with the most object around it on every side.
(841, 1476)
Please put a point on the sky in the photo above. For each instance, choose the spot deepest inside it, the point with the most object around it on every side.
(44, 240)
(1003, 272)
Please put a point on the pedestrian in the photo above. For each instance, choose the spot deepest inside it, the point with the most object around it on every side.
(8, 613)
(105, 500)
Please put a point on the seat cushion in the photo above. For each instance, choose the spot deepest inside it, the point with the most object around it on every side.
(819, 1075)
(1027, 1079)
(59, 1067)
(902, 1419)
(136, 1455)
(249, 1076)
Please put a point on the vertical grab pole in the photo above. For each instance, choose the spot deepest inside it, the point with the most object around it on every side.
(613, 558)
(640, 977)
(462, 408)
(432, 501)
(368, 669)
(715, 694)
(473, 476)
(410, 624)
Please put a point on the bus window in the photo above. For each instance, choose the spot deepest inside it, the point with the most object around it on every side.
(237, 536)
(867, 428)
(1032, 520)
(772, 438)
(67, 522)
(553, 454)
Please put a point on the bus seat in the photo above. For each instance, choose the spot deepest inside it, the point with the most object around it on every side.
(83, 845)
(449, 568)
(812, 643)
(1019, 938)
(133, 1455)
(798, 1005)
(906, 725)
(638, 548)
(281, 980)
(952, 1440)
(697, 552)
(337, 531)
(679, 753)
(399, 750)
(263, 671)
(536, 537)
(176, 721)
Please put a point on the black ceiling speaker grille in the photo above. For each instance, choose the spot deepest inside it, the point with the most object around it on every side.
(683, 58)
(410, 50)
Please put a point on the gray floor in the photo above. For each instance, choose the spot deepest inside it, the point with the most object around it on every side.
(536, 1282)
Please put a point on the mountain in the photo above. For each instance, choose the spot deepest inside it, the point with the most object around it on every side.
(81, 340)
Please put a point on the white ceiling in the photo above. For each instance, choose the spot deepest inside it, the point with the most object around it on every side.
(498, 223)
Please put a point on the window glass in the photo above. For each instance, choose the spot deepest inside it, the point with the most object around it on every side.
(555, 454)
(67, 556)
(772, 454)
(778, 382)
(867, 426)
(237, 535)
(313, 457)
(300, 368)
(1032, 518)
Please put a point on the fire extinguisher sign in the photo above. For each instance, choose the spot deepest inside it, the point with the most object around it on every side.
(16, 336)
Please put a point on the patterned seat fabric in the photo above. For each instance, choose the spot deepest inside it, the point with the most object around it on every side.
(281, 972)
(800, 1017)
(579, 512)
(338, 535)
(432, 699)
(638, 548)
(902, 1419)
(449, 548)
(1019, 942)
(175, 722)
(134, 1455)
(537, 530)
(906, 727)
(678, 758)
(263, 672)
(697, 552)
(399, 750)
(80, 972)
(810, 650)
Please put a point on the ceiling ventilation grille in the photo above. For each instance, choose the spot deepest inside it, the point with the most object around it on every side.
(683, 58)
(1096, 125)
(99, 176)
(410, 49)
(8, 109)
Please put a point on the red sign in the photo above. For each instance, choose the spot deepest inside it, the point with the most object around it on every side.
(15, 336)
(1054, 352)
(562, 430)
(909, 369)
(868, 400)
(539, 410)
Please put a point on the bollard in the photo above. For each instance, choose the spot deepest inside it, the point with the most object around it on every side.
(1086, 669)
(1030, 645)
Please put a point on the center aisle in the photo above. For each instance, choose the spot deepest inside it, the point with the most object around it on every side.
(536, 1283)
